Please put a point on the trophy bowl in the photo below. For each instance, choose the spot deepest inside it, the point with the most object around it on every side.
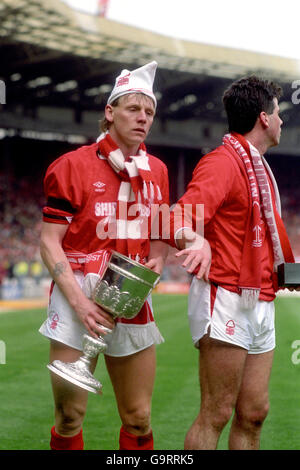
(121, 291)
(124, 286)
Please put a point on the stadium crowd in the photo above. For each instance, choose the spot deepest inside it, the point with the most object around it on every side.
(21, 202)
(290, 200)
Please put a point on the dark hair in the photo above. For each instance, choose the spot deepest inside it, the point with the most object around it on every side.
(245, 99)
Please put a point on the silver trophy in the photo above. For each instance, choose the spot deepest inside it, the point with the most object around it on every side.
(121, 291)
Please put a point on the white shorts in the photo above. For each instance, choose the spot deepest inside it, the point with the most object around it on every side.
(215, 307)
(63, 325)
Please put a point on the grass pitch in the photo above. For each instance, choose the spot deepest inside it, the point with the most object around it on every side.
(26, 409)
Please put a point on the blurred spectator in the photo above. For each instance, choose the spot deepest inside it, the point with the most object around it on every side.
(290, 201)
(21, 204)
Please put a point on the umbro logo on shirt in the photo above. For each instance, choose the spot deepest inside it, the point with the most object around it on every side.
(99, 187)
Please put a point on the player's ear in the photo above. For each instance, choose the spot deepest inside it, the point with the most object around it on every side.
(109, 113)
(264, 119)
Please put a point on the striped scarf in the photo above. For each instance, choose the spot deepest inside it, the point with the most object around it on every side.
(138, 191)
(261, 192)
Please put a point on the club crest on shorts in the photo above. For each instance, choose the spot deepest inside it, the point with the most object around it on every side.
(230, 326)
(54, 321)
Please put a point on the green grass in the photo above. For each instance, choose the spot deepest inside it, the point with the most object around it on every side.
(26, 410)
(281, 428)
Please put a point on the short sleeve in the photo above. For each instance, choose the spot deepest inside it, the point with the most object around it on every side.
(63, 191)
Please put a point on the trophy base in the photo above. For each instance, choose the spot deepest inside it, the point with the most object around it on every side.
(72, 372)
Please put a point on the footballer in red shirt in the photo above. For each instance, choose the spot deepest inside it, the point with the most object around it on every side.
(87, 191)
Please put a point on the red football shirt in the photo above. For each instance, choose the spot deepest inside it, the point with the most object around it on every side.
(82, 190)
(217, 183)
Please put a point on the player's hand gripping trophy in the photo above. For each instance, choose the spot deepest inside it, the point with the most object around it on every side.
(121, 291)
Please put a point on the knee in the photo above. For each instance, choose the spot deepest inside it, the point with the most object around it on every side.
(137, 420)
(214, 415)
(220, 416)
(252, 416)
(69, 418)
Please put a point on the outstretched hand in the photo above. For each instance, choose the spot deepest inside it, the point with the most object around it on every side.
(198, 254)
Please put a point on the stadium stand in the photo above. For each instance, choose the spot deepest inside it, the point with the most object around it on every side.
(56, 64)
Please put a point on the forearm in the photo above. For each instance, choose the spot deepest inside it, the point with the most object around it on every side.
(60, 270)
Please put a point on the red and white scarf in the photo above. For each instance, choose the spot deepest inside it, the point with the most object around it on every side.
(138, 190)
(260, 192)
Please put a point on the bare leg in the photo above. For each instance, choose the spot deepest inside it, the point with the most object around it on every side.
(221, 371)
(133, 380)
(70, 400)
(252, 404)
